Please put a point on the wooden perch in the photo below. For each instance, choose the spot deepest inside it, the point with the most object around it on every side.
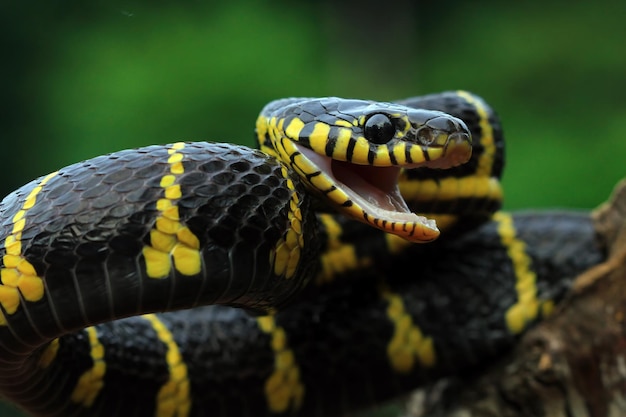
(571, 365)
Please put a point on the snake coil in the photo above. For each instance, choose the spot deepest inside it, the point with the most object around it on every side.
(119, 273)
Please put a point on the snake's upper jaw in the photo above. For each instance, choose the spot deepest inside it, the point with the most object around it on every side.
(369, 194)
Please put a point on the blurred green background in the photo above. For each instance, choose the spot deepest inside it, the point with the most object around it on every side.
(85, 78)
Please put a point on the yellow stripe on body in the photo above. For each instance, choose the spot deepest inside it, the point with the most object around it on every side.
(451, 188)
(283, 389)
(281, 147)
(485, 162)
(339, 257)
(265, 130)
(91, 381)
(286, 254)
(170, 239)
(527, 307)
(18, 276)
(173, 399)
(262, 123)
(408, 344)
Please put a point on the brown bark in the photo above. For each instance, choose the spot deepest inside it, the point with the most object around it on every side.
(571, 365)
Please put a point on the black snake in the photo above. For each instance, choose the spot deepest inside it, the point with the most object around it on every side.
(119, 273)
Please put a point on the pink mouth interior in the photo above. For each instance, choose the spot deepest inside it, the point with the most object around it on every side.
(374, 189)
(379, 186)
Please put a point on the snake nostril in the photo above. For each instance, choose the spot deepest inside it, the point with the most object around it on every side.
(426, 136)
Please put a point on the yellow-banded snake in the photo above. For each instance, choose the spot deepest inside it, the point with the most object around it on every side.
(344, 313)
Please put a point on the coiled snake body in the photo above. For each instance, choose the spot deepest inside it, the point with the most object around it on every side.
(347, 311)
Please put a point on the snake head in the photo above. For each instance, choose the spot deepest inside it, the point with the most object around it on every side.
(351, 153)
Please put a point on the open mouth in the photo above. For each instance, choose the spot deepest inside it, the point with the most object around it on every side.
(374, 190)
(373, 187)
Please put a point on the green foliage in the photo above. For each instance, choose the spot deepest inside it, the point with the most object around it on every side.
(105, 77)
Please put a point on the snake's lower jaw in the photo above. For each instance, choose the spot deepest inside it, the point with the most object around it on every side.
(376, 200)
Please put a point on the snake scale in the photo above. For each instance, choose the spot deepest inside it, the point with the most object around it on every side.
(119, 274)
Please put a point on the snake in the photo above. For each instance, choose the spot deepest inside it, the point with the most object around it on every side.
(360, 251)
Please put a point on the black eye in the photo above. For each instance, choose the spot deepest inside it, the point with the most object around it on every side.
(378, 129)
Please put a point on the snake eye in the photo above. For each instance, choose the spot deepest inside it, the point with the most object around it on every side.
(378, 129)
